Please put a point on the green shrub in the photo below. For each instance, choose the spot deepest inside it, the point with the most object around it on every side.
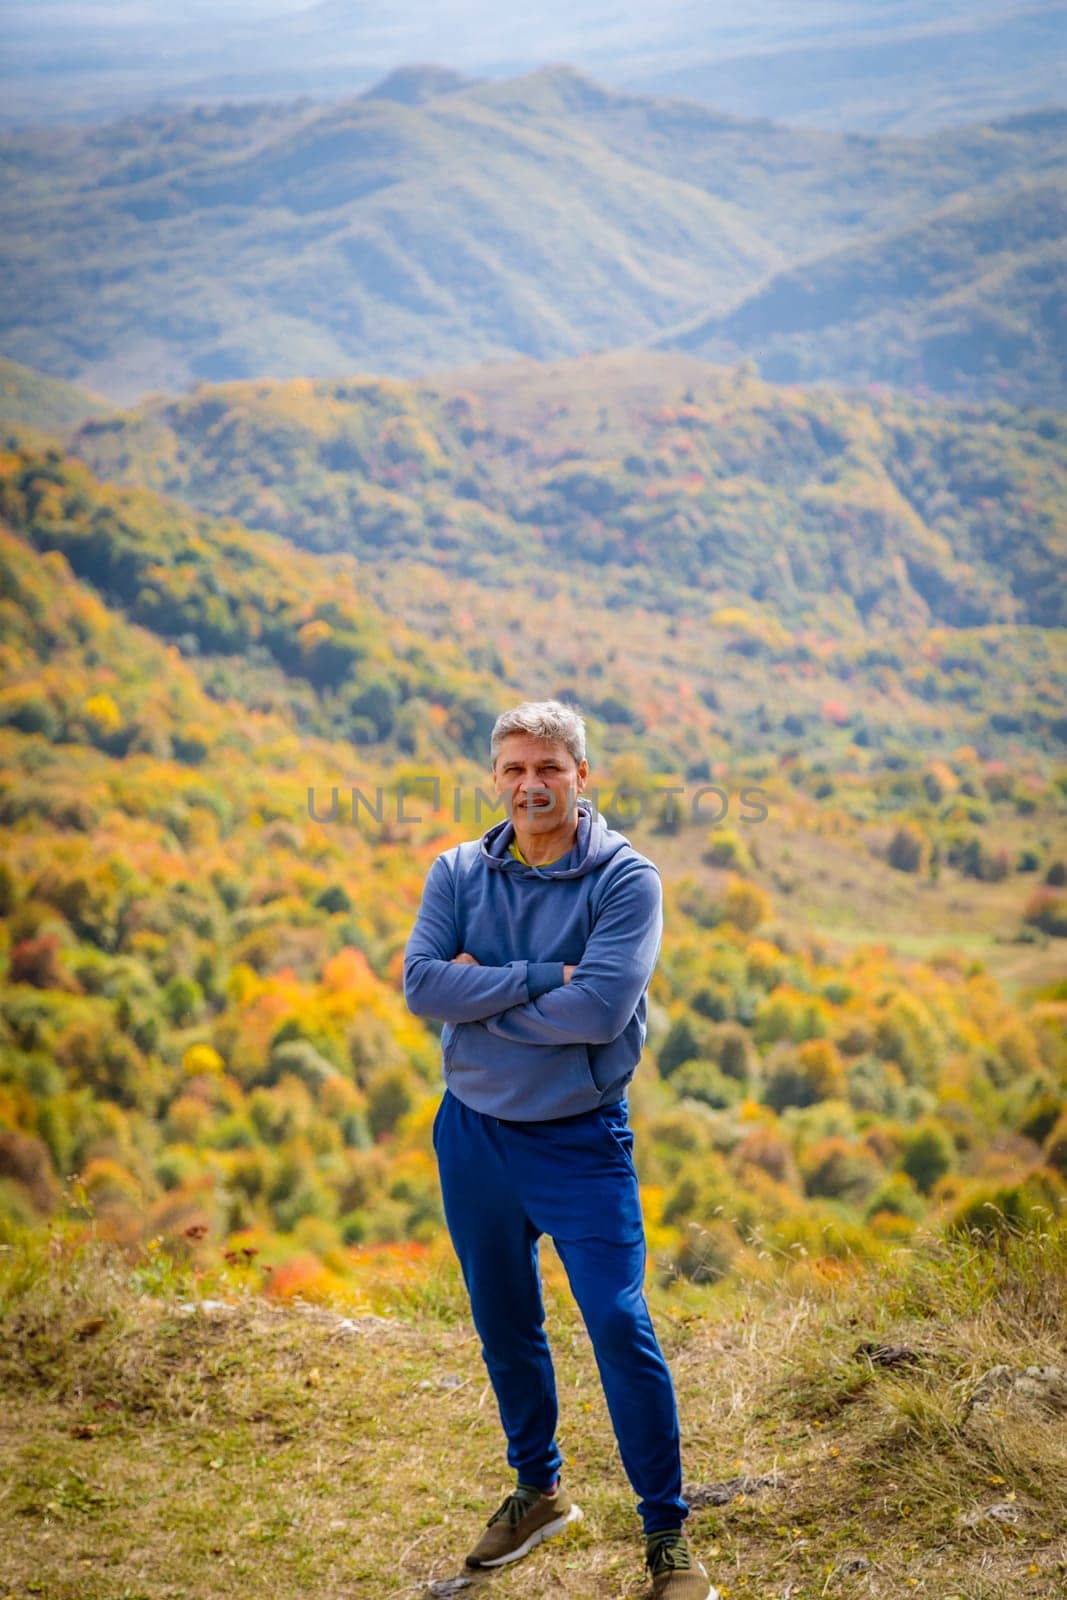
(703, 1080)
(928, 1154)
(992, 1211)
(908, 849)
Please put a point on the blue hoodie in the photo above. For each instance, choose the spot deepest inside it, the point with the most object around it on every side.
(518, 1042)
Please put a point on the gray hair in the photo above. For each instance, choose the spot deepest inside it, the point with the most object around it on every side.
(541, 719)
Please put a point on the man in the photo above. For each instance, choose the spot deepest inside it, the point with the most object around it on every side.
(534, 945)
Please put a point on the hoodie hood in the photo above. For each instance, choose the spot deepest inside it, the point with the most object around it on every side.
(595, 844)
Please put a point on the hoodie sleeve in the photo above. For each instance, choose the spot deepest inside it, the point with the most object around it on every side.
(437, 986)
(611, 977)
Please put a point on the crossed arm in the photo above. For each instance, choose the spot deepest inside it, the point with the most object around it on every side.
(539, 1002)
(472, 961)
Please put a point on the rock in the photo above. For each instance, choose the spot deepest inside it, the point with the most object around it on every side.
(363, 1324)
(206, 1308)
(887, 1355)
(699, 1495)
(1003, 1511)
(852, 1565)
(448, 1586)
(1026, 1391)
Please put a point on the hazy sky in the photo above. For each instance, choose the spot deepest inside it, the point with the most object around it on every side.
(71, 58)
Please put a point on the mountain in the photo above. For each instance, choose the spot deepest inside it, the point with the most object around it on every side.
(708, 565)
(546, 215)
(968, 301)
(30, 398)
(848, 64)
(652, 474)
(413, 86)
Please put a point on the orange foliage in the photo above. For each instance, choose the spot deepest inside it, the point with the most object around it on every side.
(304, 1278)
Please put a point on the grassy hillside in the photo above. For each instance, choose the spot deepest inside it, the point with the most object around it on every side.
(30, 398)
(168, 1434)
(544, 215)
(685, 679)
(967, 301)
(201, 1016)
(664, 481)
(294, 634)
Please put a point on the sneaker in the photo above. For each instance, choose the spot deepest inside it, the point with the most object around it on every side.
(675, 1574)
(526, 1517)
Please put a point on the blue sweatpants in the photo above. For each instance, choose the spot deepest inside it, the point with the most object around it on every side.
(506, 1183)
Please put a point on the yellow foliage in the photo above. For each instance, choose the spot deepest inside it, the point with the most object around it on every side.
(735, 617)
(416, 1126)
(415, 1166)
(243, 984)
(763, 958)
(201, 1058)
(939, 780)
(746, 906)
(104, 1177)
(752, 1111)
(312, 634)
(103, 713)
(890, 1225)
(821, 1056)
(1018, 1047)
(17, 1107)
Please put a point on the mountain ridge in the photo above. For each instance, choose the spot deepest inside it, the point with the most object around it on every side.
(842, 63)
(898, 509)
(965, 301)
(544, 215)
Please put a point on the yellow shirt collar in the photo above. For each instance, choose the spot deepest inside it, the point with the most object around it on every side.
(514, 850)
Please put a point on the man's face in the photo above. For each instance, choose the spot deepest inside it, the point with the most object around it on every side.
(540, 781)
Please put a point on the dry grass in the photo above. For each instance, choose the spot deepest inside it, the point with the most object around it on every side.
(150, 1452)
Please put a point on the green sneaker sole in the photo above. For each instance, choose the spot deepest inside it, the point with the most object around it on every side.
(537, 1537)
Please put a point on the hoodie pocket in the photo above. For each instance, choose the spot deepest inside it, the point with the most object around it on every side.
(520, 1081)
(449, 1037)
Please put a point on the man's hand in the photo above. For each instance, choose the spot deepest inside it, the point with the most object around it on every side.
(567, 974)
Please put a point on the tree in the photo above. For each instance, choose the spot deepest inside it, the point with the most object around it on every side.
(746, 906)
(685, 1041)
(839, 1170)
(703, 1080)
(805, 1075)
(907, 849)
(37, 962)
(928, 1154)
(1047, 910)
